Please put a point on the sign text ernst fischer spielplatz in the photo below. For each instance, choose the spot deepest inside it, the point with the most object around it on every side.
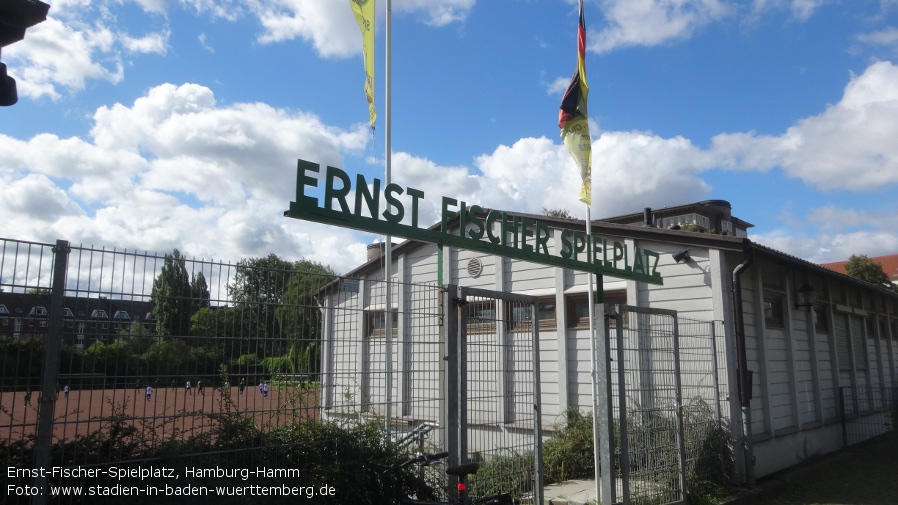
(479, 229)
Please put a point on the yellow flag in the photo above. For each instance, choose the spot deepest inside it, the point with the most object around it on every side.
(364, 15)
(575, 135)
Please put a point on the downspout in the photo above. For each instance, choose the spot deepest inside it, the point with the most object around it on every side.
(744, 381)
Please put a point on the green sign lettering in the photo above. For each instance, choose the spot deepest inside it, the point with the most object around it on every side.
(512, 236)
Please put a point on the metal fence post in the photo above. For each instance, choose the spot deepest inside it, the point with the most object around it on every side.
(622, 405)
(537, 410)
(605, 430)
(449, 405)
(714, 372)
(49, 388)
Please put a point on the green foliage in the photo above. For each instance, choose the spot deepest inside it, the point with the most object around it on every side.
(137, 339)
(298, 315)
(260, 280)
(507, 473)
(199, 292)
(20, 360)
(320, 453)
(171, 296)
(559, 213)
(863, 268)
(568, 454)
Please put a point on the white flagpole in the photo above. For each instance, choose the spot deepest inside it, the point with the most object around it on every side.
(594, 372)
(388, 248)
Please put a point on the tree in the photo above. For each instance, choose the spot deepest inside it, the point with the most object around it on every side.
(559, 213)
(863, 268)
(199, 292)
(298, 315)
(259, 284)
(136, 338)
(172, 296)
(260, 280)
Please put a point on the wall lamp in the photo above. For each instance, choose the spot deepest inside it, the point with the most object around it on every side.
(681, 255)
(805, 296)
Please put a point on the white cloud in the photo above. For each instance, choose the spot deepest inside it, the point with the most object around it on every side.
(205, 43)
(801, 10)
(175, 168)
(330, 26)
(537, 173)
(887, 37)
(832, 233)
(825, 248)
(55, 55)
(851, 145)
(653, 22)
(151, 43)
(438, 13)
(230, 10)
(558, 86)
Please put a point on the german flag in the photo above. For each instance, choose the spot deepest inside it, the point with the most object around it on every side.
(572, 117)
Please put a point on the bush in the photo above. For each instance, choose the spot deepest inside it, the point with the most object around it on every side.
(568, 454)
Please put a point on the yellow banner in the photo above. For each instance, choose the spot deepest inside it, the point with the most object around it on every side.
(364, 16)
(575, 135)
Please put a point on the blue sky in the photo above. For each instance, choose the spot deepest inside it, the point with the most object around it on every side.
(161, 124)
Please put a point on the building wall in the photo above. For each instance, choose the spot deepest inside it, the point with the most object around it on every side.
(802, 357)
(799, 356)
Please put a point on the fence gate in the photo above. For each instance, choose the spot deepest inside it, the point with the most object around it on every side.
(647, 404)
(493, 389)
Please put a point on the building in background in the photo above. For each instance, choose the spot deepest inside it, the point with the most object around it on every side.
(818, 347)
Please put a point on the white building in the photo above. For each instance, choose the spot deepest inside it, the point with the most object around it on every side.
(799, 356)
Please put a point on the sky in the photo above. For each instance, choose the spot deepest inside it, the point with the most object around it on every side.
(151, 125)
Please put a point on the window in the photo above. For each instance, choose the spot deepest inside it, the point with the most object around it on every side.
(67, 313)
(38, 311)
(519, 315)
(773, 310)
(578, 310)
(3, 310)
(481, 316)
(578, 306)
(99, 314)
(545, 313)
(121, 315)
(696, 219)
(376, 324)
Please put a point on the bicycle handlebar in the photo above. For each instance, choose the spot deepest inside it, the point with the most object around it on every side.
(421, 457)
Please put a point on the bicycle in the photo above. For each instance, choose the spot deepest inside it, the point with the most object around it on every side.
(461, 472)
